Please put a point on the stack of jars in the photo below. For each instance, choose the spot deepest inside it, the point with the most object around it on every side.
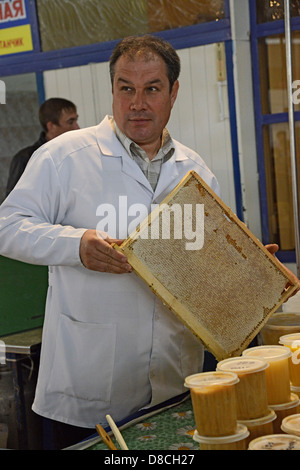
(280, 398)
(249, 398)
(283, 378)
(253, 409)
(291, 422)
(214, 403)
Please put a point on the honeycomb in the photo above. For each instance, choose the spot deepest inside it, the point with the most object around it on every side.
(208, 268)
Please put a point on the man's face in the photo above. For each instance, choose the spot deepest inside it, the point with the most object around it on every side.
(142, 100)
(67, 122)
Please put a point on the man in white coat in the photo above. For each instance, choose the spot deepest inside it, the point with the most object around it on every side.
(109, 345)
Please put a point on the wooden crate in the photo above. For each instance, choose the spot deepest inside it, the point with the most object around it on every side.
(226, 289)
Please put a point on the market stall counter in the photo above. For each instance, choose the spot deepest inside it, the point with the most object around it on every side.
(168, 427)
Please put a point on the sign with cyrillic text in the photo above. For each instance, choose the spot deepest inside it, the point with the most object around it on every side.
(15, 29)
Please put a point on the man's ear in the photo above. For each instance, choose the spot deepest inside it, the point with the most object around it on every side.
(174, 92)
(49, 126)
(50, 130)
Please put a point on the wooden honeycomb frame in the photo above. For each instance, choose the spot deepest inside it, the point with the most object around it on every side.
(224, 292)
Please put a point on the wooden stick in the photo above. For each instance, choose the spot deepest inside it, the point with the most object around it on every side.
(116, 432)
(105, 437)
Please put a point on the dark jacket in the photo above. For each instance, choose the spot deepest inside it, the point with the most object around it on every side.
(20, 161)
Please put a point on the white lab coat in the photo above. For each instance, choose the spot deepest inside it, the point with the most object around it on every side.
(109, 345)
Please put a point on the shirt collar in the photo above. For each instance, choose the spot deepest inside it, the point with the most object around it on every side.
(167, 147)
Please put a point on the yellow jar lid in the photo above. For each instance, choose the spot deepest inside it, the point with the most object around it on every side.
(271, 416)
(292, 339)
(242, 365)
(291, 424)
(284, 320)
(294, 401)
(275, 442)
(241, 433)
(269, 353)
(206, 379)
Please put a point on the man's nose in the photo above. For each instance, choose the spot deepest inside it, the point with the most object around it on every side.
(75, 126)
(138, 102)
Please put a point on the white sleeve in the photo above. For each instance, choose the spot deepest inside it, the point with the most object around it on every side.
(30, 229)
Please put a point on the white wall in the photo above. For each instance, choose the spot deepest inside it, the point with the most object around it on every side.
(195, 119)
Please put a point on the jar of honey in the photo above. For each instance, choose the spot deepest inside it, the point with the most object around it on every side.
(278, 325)
(214, 402)
(295, 390)
(251, 390)
(283, 410)
(260, 426)
(277, 374)
(293, 342)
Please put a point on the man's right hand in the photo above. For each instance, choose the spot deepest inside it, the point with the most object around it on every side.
(97, 254)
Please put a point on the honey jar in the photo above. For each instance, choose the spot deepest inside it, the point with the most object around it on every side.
(283, 410)
(293, 342)
(251, 391)
(277, 374)
(278, 325)
(295, 390)
(260, 426)
(214, 402)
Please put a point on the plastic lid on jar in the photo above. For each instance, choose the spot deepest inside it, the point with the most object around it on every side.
(292, 339)
(241, 433)
(275, 442)
(291, 424)
(269, 353)
(242, 365)
(284, 320)
(294, 401)
(259, 421)
(206, 379)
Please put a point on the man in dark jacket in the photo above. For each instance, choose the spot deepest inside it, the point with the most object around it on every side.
(56, 115)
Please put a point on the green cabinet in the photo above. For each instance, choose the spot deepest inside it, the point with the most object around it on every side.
(23, 290)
